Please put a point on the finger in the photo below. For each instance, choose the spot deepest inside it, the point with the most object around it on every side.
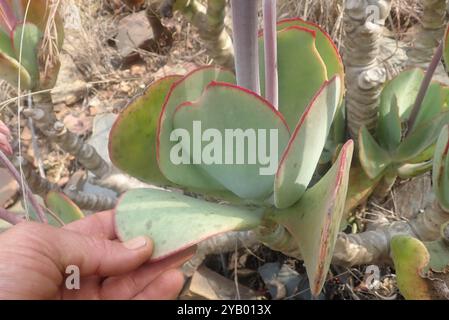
(5, 146)
(129, 285)
(92, 255)
(166, 287)
(99, 225)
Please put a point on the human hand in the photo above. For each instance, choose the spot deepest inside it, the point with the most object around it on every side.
(34, 258)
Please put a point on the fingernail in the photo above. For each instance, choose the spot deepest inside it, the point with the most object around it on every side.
(136, 243)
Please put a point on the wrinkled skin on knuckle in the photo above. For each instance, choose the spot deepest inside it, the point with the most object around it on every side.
(27, 256)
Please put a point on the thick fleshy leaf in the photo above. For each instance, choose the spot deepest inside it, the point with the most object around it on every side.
(301, 71)
(440, 172)
(431, 106)
(390, 127)
(63, 207)
(304, 149)
(421, 138)
(6, 44)
(239, 130)
(175, 222)
(359, 189)
(31, 39)
(187, 89)
(410, 257)
(410, 170)
(374, 158)
(439, 255)
(10, 70)
(324, 44)
(314, 221)
(132, 141)
(401, 92)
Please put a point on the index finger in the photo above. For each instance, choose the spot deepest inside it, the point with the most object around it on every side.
(100, 225)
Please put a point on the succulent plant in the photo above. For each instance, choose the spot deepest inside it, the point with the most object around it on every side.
(22, 27)
(398, 150)
(310, 93)
(413, 110)
(422, 267)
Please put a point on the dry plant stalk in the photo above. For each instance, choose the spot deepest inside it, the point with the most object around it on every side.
(210, 22)
(365, 75)
(429, 33)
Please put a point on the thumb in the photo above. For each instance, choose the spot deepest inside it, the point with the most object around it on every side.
(93, 256)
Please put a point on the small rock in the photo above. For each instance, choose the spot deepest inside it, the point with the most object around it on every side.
(78, 124)
(413, 196)
(207, 284)
(134, 32)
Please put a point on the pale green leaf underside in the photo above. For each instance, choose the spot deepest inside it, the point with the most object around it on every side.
(175, 222)
(315, 220)
(303, 152)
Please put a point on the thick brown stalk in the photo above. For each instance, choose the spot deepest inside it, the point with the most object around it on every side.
(27, 194)
(41, 186)
(429, 33)
(369, 247)
(373, 246)
(365, 74)
(47, 123)
(210, 23)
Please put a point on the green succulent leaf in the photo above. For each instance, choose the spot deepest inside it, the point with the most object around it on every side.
(373, 158)
(432, 104)
(360, 188)
(390, 127)
(411, 170)
(132, 141)
(230, 112)
(63, 207)
(325, 46)
(31, 39)
(6, 44)
(189, 88)
(440, 172)
(314, 221)
(439, 255)
(300, 158)
(400, 92)
(421, 138)
(10, 70)
(410, 258)
(175, 222)
(301, 71)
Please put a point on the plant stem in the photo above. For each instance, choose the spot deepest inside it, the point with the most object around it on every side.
(244, 23)
(424, 87)
(26, 190)
(270, 41)
(10, 217)
(365, 75)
